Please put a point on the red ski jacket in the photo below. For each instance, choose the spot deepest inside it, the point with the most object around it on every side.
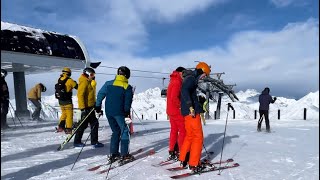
(173, 94)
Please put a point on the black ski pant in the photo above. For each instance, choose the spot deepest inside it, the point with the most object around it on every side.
(265, 114)
(94, 125)
(4, 112)
(36, 113)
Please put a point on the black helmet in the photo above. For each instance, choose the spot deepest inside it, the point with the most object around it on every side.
(123, 70)
(4, 73)
(89, 71)
(44, 89)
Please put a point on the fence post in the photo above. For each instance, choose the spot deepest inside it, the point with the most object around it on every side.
(215, 114)
(255, 114)
(234, 114)
(305, 113)
(142, 116)
(278, 114)
(156, 116)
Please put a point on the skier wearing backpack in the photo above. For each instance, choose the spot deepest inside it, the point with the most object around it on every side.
(34, 96)
(86, 102)
(118, 95)
(63, 93)
(191, 109)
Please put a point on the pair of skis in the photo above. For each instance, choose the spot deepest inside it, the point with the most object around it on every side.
(206, 170)
(209, 167)
(117, 164)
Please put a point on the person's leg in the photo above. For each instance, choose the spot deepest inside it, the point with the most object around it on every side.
(181, 131)
(4, 112)
(124, 136)
(266, 115)
(36, 113)
(197, 141)
(83, 126)
(69, 115)
(94, 125)
(63, 117)
(115, 137)
(260, 120)
(173, 133)
(188, 138)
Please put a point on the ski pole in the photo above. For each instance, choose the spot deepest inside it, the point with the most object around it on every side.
(13, 118)
(208, 153)
(224, 135)
(83, 146)
(139, 120)
(15, 113)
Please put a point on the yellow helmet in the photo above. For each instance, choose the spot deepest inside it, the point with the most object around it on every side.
(67, 71)
(205, 67)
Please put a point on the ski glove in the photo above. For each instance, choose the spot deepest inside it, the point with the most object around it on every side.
(128, 120)
(99, 114)
(97, 108)
(192, 112)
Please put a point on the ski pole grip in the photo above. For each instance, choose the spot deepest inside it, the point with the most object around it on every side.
(230, 106)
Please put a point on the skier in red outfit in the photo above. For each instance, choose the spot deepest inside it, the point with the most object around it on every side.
(177, 132)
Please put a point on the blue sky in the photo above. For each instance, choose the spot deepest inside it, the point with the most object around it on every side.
(261, 43)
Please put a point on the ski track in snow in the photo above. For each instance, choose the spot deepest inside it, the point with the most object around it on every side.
(29, 153)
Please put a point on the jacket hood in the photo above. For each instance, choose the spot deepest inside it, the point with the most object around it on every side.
(266, 91)
(175, 75)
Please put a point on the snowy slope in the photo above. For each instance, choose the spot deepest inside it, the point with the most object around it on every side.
(291, 151)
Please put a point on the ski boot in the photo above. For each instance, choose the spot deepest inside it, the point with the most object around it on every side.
(126, 159)
(113, 158)
(196, 169)
(172, 156)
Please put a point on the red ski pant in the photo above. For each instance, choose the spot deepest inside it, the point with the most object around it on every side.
(193, 141)
(177, 132)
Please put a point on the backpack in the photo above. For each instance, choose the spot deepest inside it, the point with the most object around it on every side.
(60, 90)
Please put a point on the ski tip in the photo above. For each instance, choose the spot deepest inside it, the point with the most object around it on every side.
(152, 151)
(229, 160)
(236, 164)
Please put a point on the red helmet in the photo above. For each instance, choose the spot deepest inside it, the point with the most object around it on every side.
(205, 67)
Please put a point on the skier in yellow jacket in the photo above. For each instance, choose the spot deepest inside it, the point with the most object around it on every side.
(34, 96)
(86, 102)
(65, 101)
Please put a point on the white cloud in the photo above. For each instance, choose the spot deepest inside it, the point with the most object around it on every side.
(285, 3)
(169, 11)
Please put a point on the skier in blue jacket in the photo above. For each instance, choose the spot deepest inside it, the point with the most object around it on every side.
(118, 96)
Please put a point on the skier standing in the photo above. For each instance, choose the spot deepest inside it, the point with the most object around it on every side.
(177, 129)
(66, 105)
(191, 109)
(265, 99)
(118, 96)
(4, 100)
(86, 102)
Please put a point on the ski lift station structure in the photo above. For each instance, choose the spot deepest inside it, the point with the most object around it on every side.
(26, 50)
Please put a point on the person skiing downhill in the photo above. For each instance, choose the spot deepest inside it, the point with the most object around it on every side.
(177, 129)
(264, 100)
(191, 109)
(118, 95)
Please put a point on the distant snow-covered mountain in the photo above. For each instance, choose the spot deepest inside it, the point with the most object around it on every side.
(152, 106)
